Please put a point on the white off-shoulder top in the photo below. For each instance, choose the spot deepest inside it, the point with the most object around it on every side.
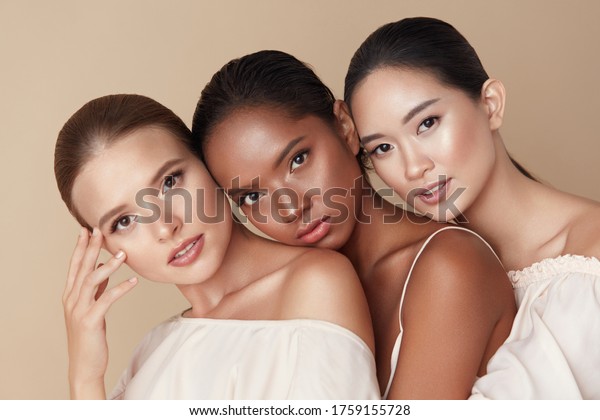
(553, 351)
(198, 358)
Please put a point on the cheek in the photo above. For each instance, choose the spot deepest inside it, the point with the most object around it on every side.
(389, 170)
(138, 260)
(114, 243)
(338, 169)
(281, 232)
(466, 143)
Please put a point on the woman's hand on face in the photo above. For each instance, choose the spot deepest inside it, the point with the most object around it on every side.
(86, 302)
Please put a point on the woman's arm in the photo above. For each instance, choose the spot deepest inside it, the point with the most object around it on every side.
(457, 311)
(86, 302)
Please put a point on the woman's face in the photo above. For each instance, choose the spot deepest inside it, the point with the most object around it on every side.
(293, 178)
(431, 143)
(151, 198)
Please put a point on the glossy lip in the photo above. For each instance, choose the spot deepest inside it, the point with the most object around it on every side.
(437, 196)
(315, 231)
(189, 256)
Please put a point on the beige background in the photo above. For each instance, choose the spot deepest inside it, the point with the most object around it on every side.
(54, 56)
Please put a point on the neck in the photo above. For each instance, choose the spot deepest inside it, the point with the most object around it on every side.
(371, 238)
(515, 214)
(232, 275)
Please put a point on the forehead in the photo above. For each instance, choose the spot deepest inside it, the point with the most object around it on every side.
(388, 93)
(114, 175)
(262, 124)
(392, 81)
(249, 126)
(255, 137)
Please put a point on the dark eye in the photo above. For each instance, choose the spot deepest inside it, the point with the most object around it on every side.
(170, 181)
(298, 160)
(123, 223)
(426, 124)
(249, 199)
(381, 149)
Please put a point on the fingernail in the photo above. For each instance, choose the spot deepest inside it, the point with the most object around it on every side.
(133, 280)
(119, 255)
(83, 232)
(95, 232)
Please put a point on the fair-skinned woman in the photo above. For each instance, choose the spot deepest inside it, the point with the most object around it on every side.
(267, 321)
(429, 116)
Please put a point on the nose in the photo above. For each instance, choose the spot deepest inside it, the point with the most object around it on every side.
(169, 223)
(416, 162)
(288, 215)
(286, 205)
(292, 206)
(309, 198)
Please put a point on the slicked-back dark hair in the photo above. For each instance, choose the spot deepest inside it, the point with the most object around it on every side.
(419, 43)
(425, 44)
(268, 78)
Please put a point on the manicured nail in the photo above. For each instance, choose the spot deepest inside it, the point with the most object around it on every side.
(119, 255)
(96, 232)
(83, 232)
(133, 280)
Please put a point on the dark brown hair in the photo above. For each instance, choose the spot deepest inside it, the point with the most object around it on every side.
(420, 43)
(98, 124)
(267, 78)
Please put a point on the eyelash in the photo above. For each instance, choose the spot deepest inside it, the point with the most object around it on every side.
(374, 151)
(434, 119)
(241, 201)
(301, 153)
(175, 176)
(114, 227)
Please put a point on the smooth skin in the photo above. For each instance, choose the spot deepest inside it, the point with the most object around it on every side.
(233, 277)
(459, 304)
(457, 137)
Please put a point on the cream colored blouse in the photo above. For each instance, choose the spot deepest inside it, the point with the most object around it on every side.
(198, 358)
(553, 351)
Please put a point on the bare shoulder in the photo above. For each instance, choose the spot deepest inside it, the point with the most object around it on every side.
(318, 261)
(320, 275)
(322, 284)
(584, 233)
(460, 250)
(457, 297)
(458, 263)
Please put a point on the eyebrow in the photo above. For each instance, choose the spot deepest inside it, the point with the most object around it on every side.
(234, 191)
(287, 150)
(409, 116)
(158, 175)
(109, 215)
(418, 109)
(166, 166)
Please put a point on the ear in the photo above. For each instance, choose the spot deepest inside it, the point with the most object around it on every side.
(493, 97)
(346, 126)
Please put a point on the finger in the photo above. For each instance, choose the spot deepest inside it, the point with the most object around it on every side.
(76, 258)
(111, 296)
(92, 283)
(101, 288)
(88, 262)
